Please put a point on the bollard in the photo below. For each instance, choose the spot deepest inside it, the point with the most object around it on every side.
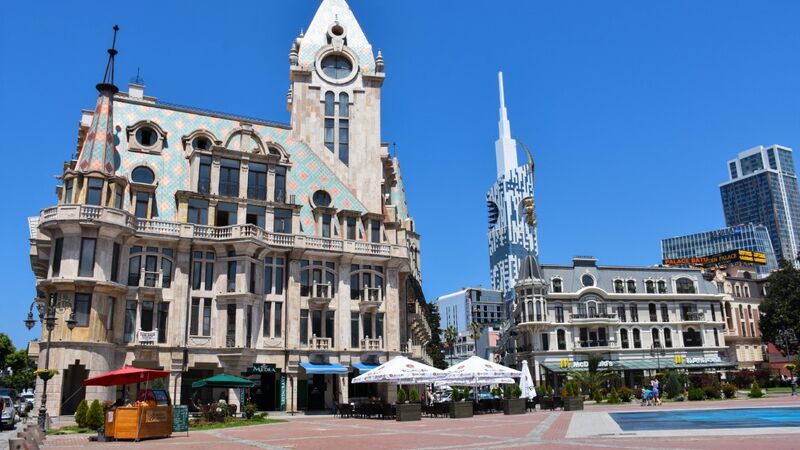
(16, 444)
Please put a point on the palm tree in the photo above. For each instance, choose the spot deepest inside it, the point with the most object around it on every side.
(475, 331)
(592, 378)
(450, 336)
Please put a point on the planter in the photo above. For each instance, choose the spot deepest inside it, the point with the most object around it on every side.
(546, 403)
(513, 406)
(406, 412)
(573, 403)
(460, 410)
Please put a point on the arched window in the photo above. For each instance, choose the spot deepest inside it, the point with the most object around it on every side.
(317, 279)
(650, 287)
(623, 337)
(692, 338)
(652, 308)
(664, 313)
(143, 175)
(366, 282)
(667, 338)
(656, 337)
(529, 310)
(145, 265)
(684, 286)
(631, 286)
(662, 287)
(556, 285)
(737, 291)
(344, 105)
(538, 311)
(561, 336)
(746, 291)
(330, 120)
(637, 338)
(618, 287)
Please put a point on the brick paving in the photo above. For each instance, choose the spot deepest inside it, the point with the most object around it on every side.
(538, 430)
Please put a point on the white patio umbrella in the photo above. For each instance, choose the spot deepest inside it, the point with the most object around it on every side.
(476, 370)
(400, 370)
(526, 382)
(481, 382)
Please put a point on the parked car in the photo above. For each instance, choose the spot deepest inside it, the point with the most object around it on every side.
(9, 392)
(8, 414)
(28, 399)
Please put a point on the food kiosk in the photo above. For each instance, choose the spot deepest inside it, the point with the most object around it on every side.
(149, 417)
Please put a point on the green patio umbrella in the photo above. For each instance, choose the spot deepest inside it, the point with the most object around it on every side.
(223, 381)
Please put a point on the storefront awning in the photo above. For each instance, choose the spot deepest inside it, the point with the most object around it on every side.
(323, 368)
(646, 364)
(363, 368)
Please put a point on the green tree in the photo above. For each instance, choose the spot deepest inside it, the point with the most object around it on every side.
(81, 413)
(450, 336)
(94, 418)
(6, 348)
(16, 369)
(593, 378)
(780, 309)
(434, 346)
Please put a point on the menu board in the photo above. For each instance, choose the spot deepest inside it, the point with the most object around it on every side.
(180, 419)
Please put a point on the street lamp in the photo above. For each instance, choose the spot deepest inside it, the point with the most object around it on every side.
(788, 337)
(47, 315)
(658, 351)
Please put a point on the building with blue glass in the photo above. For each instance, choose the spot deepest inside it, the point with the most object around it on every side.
(763, 190)
(512, 221)
(752, 237)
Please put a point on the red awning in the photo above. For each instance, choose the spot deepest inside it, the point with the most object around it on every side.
(126, 375)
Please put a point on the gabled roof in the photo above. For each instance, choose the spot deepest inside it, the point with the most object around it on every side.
(316, 37)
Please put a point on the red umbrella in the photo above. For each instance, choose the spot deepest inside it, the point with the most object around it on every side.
(126, 375)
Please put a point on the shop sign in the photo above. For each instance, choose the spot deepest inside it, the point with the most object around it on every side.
(283, 393)
(703, 360)
(567, 364)
(720, 258)
(262, 368)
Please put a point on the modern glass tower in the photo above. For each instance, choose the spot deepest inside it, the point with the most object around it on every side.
(752, 237)
(512, 221)
(763, 190)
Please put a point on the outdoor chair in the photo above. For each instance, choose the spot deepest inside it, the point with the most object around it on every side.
(558, 402)
(345, 410)
(387, 412)
(530, 404)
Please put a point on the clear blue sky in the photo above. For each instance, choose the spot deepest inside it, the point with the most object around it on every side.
(631, 108)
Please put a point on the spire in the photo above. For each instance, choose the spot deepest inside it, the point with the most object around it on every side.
(97, 153)
(505, 147)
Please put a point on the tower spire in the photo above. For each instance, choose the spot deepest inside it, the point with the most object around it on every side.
(97, 153)
(505, 147)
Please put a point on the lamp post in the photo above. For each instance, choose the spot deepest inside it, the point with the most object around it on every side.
(788, 338)
(658, 351)
(47, 315)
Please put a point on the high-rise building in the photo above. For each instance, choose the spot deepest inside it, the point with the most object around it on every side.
(201, 242)
(763, 190)
(512, 221)
(468, 305)
(693, 249)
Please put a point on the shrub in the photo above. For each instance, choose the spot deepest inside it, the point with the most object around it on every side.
(712, 392)
(729, 390)
(572, 389)
(755, 391)
(696, 394)
(466, 391)
(672, 385)
(516, 391)
(413, 395)
(762, 376)
(94, 418)
(80, 413)
(743, 378)
(613, 396)
(401, 395)
(625, 394)
(456, 394)
(598, 396)
(249, 410)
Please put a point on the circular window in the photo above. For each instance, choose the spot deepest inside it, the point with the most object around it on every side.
(587, 280)
(337, 30)
(322, 198)
(146, 136)
(143, 175)
(201, 143)
(337, 66)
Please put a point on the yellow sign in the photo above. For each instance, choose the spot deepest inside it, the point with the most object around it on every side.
(564, 364)
(678, 359)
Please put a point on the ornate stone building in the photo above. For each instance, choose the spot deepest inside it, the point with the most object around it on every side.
(202, 242)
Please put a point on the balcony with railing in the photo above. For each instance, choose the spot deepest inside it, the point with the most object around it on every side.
(146, 337)
(370, 298)
(596, 344)
(592, 317)
(85, 213)
(320, 294)
(149, 279)
(693, 316)
(371, 344)
(320, 343)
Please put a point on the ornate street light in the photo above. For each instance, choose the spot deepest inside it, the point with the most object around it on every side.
(658, 351)
(47, 309)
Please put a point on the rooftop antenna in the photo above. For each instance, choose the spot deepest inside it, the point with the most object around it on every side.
(394, 148)
(138, 78)
(108, 77)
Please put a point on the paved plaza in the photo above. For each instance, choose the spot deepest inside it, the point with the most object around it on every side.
(557, 430)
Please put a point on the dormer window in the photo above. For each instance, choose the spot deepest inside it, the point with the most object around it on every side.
(618, 287)
(650, 287)
(321, 199)
(146, 136)
(201, 143)
(557, 287)
(631, 286)
(684, 286)
(662, 287)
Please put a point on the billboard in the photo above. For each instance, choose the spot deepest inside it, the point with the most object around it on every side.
(733, 256)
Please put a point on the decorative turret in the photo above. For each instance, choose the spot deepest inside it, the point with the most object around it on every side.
(379, 66)
(97, 153)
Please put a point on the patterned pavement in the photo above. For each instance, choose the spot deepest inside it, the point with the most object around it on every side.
(494, 431)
